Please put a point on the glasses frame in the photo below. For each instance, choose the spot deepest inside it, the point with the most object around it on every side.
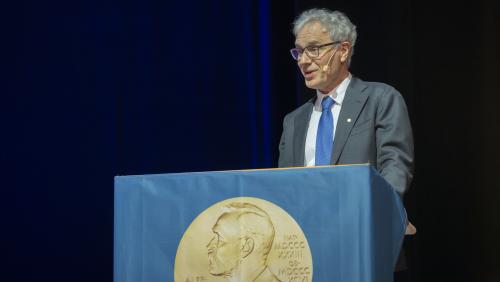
(310, 50)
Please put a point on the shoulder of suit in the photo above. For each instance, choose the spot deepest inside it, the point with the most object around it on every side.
(303, 107)
(374, 88)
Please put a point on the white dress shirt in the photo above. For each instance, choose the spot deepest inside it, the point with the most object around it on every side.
(337, 95)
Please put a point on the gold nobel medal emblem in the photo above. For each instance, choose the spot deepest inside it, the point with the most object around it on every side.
(243, 239)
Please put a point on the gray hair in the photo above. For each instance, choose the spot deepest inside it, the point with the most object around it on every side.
(337, 23)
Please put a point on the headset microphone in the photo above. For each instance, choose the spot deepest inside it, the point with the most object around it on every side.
(325, 67)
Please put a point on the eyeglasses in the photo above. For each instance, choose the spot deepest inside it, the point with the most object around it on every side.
(311, 51)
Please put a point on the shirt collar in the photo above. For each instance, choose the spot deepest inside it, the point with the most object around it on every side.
(337, 94)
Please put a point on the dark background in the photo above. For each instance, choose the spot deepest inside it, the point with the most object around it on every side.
(93, 89)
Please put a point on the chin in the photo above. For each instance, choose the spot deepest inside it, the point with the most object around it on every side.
(314, 84)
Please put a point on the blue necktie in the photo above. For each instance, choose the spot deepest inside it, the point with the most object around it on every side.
(324, 137)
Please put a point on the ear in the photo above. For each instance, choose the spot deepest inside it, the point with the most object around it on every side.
(345, 49)
(247, 247)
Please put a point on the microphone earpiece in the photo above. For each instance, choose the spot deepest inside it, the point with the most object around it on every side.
(327, 66)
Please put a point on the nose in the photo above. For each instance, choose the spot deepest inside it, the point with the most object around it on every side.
(303, 59)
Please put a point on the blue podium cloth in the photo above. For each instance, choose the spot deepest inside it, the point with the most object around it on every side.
(353, 220)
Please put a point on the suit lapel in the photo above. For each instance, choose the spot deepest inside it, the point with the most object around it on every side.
(351, 107)
(299, 138)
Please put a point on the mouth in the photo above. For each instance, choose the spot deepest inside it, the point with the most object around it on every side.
(309, 74)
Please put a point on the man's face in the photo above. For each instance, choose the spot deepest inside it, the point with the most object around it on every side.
(224, 249)
(314, 34)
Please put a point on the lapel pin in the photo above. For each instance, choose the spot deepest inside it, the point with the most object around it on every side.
(349, 120)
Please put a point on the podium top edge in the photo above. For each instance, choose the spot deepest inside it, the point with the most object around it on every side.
(250, 170)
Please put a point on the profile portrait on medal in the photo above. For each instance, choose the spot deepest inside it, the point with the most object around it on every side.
(243, 237)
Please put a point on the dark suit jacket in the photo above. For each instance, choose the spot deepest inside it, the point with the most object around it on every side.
(373, 127)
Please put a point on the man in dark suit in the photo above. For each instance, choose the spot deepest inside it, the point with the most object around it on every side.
(366, 122)
(349, 121)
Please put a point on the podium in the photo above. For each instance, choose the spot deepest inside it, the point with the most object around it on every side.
(334, 223)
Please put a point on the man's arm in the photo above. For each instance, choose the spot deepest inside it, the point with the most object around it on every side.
(394, 141)
(286, 154)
